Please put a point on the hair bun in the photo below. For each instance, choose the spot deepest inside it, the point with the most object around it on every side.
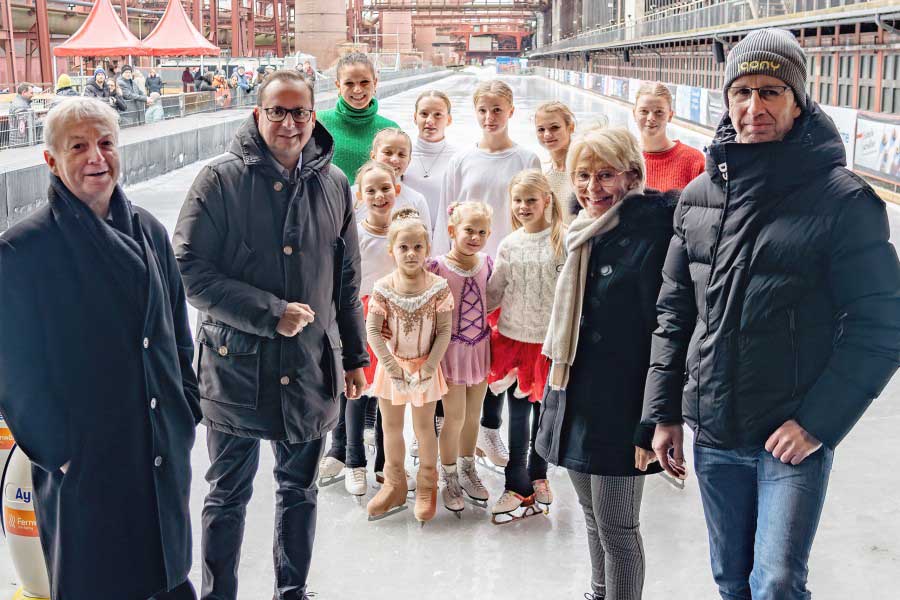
(405, 213)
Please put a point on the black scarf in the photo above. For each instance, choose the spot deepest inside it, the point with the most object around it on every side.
(117, 245)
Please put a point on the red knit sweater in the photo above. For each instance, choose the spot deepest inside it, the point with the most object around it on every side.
(674, 168)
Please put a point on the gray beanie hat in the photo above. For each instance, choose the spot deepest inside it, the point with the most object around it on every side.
(772, 52)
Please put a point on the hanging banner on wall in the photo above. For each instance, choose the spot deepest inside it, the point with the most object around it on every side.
(845, 121)
(633, 86)
(878, 146)
(712, 108)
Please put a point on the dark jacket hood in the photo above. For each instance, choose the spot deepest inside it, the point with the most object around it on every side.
(250, 146)
(813, 146)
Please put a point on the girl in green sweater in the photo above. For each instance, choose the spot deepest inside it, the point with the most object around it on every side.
(354, 122)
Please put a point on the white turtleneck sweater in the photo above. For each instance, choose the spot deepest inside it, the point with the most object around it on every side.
(475, 174)
(523, 283)
(426, 171)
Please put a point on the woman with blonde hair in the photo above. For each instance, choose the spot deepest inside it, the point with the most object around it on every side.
(604, 312)
(670, 164)
(554, 124)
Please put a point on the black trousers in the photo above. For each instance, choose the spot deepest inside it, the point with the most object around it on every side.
(525, 465)
(347, 437)
(492, 409)
(185, 591)
(234, 462)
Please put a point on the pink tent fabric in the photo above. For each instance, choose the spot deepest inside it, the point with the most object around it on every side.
(102, 34)
(175, 35)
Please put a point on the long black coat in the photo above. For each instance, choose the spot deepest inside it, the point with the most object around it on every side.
(95, 370)
(593, 426)
(248, 241)
(782, 293)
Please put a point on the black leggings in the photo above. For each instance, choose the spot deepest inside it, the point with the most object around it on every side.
(347, 438)
(525, 465)
(492, 410)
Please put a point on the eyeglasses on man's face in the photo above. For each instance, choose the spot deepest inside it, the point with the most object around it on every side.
(767, 93)
(277, 114)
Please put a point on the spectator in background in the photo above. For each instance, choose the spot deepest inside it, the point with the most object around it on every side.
(139, 80)
(187, 79)
(114, 96)
(308, 71)
(64, 86)
(96, 87)
(154, 83)
(206, 83)
(129, 87)
(155, 112)
(198, 75)
(20, 116)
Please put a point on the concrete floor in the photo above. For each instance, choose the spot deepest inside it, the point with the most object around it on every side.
(856, 554)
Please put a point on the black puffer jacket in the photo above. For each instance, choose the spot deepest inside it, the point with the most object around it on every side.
(593, 426)
(780, 296)
(249, 240)
(95, 90)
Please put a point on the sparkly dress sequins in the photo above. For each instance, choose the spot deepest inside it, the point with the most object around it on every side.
(468, 358)
(409, 331)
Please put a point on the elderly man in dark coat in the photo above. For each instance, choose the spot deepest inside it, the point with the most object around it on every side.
(96, 382)
(266, 243)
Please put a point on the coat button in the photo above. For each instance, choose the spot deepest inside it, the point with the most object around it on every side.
(153, 403)
(223, 351)
(606, 270)
(278, 186)
(624, 242)
(157, 462)
(285, 380)
(288, 250)
(146, 342)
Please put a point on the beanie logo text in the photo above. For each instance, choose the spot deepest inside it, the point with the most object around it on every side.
(755, 65)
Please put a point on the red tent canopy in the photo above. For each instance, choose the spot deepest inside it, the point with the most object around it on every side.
(175, 35)
(102, 34)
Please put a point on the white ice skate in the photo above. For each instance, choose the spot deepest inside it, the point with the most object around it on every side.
(331, 471)
(543, 496)
(513, 507)
(491, 451)
(414, 452)
(355, 481)
(471, 484)
(451, 492)
(369, 440)
(410, 480)
(438, 426)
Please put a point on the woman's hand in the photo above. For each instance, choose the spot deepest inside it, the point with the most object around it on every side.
(643, 458)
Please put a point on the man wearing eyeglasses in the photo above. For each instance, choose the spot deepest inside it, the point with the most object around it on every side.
(266, 244)
(779, 321)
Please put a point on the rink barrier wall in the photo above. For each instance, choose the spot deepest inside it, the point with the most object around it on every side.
(24, 189)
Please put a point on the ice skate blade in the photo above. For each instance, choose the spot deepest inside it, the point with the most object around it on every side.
(359, 499)
(544, 508)
(388, 513)
(519, 514)
(482, 461)
(327, 481)
(476, 502)
(678, 484)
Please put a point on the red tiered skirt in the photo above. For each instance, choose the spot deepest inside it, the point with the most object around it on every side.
(532, 368)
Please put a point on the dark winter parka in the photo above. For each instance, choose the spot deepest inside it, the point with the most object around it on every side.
(781, 293)
(248, 241)
(95, 90)
(95, 371)
(594, 424)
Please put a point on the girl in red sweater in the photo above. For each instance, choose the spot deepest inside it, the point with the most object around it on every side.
(670, 164)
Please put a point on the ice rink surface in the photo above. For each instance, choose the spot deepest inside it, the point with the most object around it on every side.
(856, 554)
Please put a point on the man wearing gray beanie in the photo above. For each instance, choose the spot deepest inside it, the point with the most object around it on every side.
(778, 321)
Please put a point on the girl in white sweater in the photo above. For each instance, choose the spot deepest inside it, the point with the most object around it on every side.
(522, 285)
(431, 150)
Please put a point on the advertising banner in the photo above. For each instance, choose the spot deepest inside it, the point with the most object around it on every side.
(683, 102)
(845, 121)
(695, 104)
(633, 86)
(712, 109)
(618, 88)
(877, 149)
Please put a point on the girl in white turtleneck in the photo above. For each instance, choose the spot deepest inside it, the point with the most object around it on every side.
(431, 151)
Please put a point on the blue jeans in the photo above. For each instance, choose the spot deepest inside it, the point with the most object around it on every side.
(761, 516)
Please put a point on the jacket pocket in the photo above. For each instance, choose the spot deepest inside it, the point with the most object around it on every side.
(335, 352)
(228, 367)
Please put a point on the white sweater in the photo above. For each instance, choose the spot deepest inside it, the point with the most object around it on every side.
(523, 284)
(408, 198)
(474, 174)
(375, 261)
(426, 171)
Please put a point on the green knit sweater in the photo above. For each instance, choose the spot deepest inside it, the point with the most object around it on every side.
(353, 131)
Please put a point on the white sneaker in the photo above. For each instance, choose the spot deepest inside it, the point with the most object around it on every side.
(355, 481)
(471, 482)
(491, 445)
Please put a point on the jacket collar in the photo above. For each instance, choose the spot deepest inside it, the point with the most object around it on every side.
(249, 145)
(813, 146)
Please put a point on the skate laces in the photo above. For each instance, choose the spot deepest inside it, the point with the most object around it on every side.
(468, 468)
(358, 475)
(451, 480)
(495, 442)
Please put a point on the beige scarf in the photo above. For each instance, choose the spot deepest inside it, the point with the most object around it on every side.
(565, 318)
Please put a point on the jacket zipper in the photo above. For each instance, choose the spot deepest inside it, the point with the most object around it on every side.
(792, 323)
(723, 169)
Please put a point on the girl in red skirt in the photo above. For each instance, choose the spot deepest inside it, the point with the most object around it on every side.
(522, 286)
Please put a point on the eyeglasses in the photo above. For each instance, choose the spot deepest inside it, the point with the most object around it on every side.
(277, 114)
(767, 93)
(606, 178)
